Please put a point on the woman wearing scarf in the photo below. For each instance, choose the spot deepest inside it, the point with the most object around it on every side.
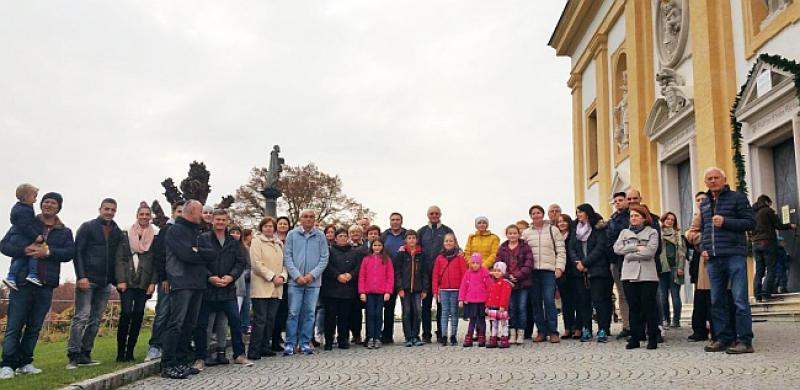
(673, 261)
(136, 280)
(588, 251)
(638, 245)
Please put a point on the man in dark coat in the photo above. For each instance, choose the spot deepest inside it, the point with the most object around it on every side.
(431, 239)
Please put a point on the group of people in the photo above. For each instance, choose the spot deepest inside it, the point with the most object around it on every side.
(305, 282)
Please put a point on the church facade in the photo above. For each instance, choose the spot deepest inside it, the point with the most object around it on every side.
(659, 88)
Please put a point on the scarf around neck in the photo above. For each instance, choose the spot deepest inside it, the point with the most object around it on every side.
(582, 231)
(668, 234)
(637, 229)
(450, 254)
(141, 238)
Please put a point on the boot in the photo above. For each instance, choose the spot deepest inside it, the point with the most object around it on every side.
(492, 342)
(504, 342)
(221, 359)
(120, 349)
(481, 340)
(468, 340)
(514, 336)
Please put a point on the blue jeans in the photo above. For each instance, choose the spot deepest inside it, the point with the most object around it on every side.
(162, 315)
(733, 270)
(244, 309)
(18, 263)
(765, 255)
(300, 323)
(374, 316)
(666, 289)
(27, 308)
(517, 307)
(412, 307)
(543, 297)
(90, 304)
(449, 301)
(231, 310)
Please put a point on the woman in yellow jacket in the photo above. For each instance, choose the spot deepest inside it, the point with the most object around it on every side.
(267, 276)
(484, 242)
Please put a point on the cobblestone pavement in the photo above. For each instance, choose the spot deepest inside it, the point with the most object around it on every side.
(568, 365)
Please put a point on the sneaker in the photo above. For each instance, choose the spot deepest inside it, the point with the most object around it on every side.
(307, 350)
(409, 343)
(288, 351)
(241, 359)
(85, 359)
(199, 365)
(11, 284)
(29, 369)
(624, 334)
(694, 337)
(188, 370)
(173, 373)
(676, 325)
(632, 345)
(740, 348)
(209, 361)
(370, 344)
(377, 343)
(586, 335)
(427, 340)
(152, 354)
(72, 364)
(222, 359)
(715, 346)
(418, 343)
(6, 372)
(34, 280)
(602, 337)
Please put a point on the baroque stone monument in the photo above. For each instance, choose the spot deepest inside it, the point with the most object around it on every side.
(272, 189)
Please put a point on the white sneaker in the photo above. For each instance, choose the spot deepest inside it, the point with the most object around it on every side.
(152, 354)
(6, 373)
(28, 369)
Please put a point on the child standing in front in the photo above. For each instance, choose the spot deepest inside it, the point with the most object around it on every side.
(497, 306)
(24, 221)
(472, 296)
(375, 286)
(448, 271)
(412, 281)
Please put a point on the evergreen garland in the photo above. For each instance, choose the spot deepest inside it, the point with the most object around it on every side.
(736, 126)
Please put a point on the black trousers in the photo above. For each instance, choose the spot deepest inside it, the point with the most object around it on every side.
(265, 311)
(600, 291)
(427, 319)
(643, 309)
(567, 289)
(583, 302)
(132, 303)
(357, 318)
(280, 319)
(184, 307)
(701, 312)
(337, 319)
(387, 335)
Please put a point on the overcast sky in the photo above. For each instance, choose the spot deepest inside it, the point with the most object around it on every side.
(457, 103)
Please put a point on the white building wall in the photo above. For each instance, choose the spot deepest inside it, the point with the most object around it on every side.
(590, 32)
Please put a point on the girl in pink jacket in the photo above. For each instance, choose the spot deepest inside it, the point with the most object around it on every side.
(473, 291)
(375, 286)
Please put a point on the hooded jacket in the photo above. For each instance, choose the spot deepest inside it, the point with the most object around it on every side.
(95, 253)
(485, 243)
(413, 273)
(499, 294)
(519, 263)
(475, 286)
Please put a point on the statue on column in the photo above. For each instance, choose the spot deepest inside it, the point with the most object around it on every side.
(272, 189)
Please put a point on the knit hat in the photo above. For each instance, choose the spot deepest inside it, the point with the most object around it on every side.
(476, 258)
(54, 196)
(500, 266)
(481, 218)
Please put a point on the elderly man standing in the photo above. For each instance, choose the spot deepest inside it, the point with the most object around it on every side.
(725, 216)
(431, 238)
(305, 257)
(28, 306)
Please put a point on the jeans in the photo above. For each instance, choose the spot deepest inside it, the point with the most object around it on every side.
(162, 314)
(543, 296)
(216, 330)
(300, 322)
(374, 316)
(666, 289)
(184, 308)
(265, 310)
(132, 303)
(427, 320)
(517, 308)
(643, 309)
(27, 309)
(337, 319)
(449, 302)
(412, 308)
(18, 263)
(388, 319)
(600, 291)
(244, 308)
(89, 307)
(722, 271)
(231, 310)
(567, 286)
(765, 254)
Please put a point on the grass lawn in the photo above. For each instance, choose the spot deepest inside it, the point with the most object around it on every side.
(52, 358)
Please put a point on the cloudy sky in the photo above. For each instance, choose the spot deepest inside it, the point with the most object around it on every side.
(458, 103)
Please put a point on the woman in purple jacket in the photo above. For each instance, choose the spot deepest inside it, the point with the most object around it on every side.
(519, 258)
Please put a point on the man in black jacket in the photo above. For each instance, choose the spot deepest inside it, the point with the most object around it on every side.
(162, 305)
(225, 262)
(95, 247)
(187, 277)
(431, 238)
(618, 221)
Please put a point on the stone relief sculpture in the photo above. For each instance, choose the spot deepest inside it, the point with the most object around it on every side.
(621, 115)
(674, 91)
(774, 7)
(671, 30)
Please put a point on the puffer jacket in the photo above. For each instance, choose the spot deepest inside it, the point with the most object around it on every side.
(59, 242)
(222, 260)
(638, 266)
(475, 286)
(376, 275)
(412, 274)
(595, 258)
(343, 260)
(485, 243)
(94, 253)
(728, 240)
(266, 263)
(135, 277)
(447, 273)
(547, 246)
(519, 263)
(499, 294)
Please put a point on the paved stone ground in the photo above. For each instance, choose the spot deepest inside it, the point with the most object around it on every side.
(568, 365)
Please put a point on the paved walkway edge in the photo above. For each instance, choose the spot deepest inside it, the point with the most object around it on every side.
(120, 378)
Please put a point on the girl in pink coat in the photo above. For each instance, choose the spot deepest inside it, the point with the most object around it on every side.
(375, 286)
(473, 292)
